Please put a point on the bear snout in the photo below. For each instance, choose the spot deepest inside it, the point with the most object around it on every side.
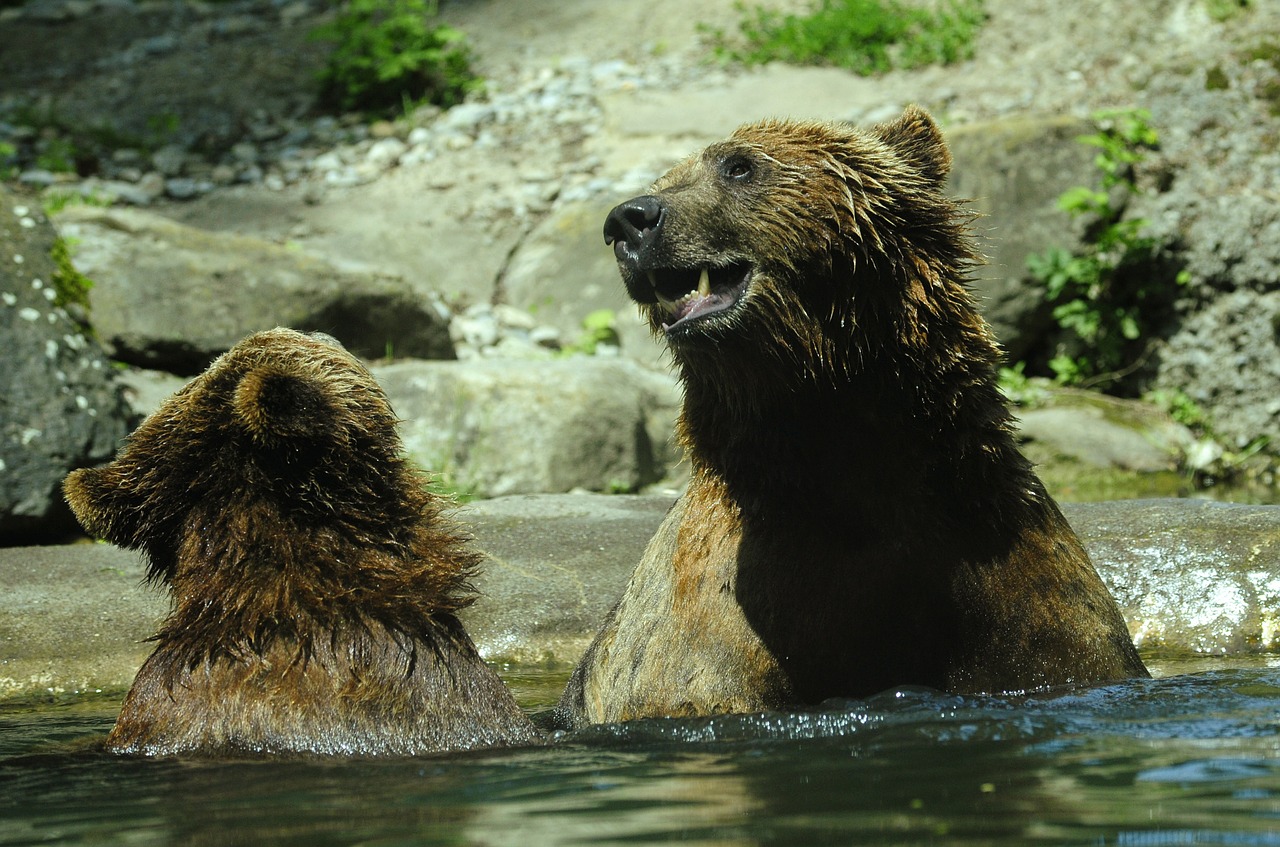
(633, 227)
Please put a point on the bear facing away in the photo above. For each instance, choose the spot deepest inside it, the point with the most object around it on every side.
(858, 516)
(315, 581)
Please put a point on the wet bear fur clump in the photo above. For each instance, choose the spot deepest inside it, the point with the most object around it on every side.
(315, 582)
(859, 516)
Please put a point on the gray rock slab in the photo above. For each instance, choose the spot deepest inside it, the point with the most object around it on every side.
(494, 427)
(555, 565)
(73, 620)
(1189, 576)
(59, 406)
(1104, 432)
(1011, 172)
(172, 297)
(773, 91)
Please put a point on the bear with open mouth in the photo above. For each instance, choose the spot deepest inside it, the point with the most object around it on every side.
(859, 516)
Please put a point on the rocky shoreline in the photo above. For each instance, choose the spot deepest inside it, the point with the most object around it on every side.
(473, 234)
(1192, 578)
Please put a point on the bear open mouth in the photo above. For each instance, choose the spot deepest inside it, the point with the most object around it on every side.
(687, 294)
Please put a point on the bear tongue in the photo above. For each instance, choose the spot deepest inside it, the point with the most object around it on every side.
(691, 304)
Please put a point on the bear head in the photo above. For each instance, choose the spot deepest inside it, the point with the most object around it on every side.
(272, 488)
(803, 246)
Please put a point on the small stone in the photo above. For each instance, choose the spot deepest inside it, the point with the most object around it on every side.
(37, 177)
(223, 174)
(244, 153)
(169, 160)
(385, 153)
(329, 161)
(152, 185)
(180, 188)
(510, 316)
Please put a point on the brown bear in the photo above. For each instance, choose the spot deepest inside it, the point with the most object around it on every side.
(859, 516)
(315, 581)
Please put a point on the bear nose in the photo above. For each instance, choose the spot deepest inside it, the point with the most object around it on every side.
(634, 224)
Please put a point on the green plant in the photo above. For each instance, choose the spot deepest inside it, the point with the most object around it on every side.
(1096, 295)
(1020, 389)
(58, 155)
(8, 160)
(391, 53)
(864, 36)
(70, 287)
(1222, 10)
(55, 201)
(598, 327)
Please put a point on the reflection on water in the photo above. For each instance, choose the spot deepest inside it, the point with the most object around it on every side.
(1186, 759)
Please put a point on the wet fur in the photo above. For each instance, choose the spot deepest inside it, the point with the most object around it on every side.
(314, 580)
(859, 516)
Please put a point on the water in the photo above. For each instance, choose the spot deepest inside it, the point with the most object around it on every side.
(1192, 758)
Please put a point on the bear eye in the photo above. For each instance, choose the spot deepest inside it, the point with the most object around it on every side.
(738, 168)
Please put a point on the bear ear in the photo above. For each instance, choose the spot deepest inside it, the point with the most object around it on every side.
(102, 504)
(917, 138)
(274, 402)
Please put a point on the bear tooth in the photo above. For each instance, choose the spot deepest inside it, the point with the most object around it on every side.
(704, 283)
(653, 279)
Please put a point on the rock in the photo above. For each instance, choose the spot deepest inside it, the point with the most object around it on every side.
(145, 390)
(1189, 575)
(181, 188)
(1226, 357)
(494, 427)
(73, 621)
(61, 408)
(170, 160)
(173, 297)
(1105, 432)
(1012, 172)
(564, 270)
(37, 178)
(386, 152)
(121, 192)
(503, 331)
(554, 566)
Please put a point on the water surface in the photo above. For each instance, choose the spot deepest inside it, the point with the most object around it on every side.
(1192, 758)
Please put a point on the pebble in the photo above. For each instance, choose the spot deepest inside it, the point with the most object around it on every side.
(169, 160)
(181, 189)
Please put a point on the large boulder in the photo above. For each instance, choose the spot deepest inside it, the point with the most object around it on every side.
(141, 70)
(564, 271)
(1091, 446)
(1011, 172)
(1189, 575)
(493, 427)
(554, 566)
(61, 409)
(172, 297)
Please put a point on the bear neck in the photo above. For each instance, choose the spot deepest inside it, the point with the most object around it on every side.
(885, 434)
(252, 577)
